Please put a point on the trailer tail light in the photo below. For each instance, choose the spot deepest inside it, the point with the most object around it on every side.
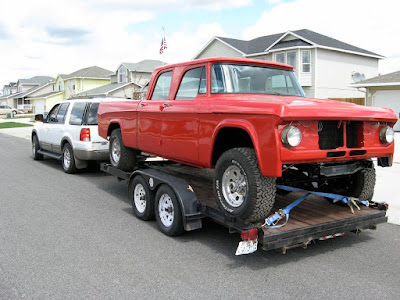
(250, 235)
(85, 135)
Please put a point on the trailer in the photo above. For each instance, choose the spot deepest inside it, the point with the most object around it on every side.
(179, 197)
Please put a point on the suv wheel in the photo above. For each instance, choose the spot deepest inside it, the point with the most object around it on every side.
(68, 160)
(121, 157)
(240, 189)
(36, 148)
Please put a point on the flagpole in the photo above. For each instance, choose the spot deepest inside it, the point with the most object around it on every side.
(163, 54)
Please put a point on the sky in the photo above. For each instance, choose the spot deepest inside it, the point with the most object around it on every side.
(44, 37)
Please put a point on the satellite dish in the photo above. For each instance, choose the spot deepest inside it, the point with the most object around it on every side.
(357, 76)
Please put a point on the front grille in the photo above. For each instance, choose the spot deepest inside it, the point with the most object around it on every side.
(333, 134)
(330, 135)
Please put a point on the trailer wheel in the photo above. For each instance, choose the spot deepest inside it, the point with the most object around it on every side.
(168, 212)
(142, 199)
(240, 189)
(360, 185)
(68, 159)
(36, 148)
(121, 157)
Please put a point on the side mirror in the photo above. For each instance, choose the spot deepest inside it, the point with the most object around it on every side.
(39, 118)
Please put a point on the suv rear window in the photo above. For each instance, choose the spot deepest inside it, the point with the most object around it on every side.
(91, 114)
(77, 113)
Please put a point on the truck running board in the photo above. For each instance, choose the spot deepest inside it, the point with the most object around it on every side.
(50, 154)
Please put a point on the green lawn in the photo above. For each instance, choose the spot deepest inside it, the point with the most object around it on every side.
(13, 125)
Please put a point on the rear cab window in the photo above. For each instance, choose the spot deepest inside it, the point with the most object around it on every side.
(193, 83)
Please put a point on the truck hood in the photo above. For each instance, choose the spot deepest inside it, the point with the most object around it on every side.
(301, 108)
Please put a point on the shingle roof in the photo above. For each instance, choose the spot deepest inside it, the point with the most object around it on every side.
(261, 44)
(381, 80)
(31, 90)
(90, 72)
(147, 65)
(103, 90)
(46, 95)
(38, 80)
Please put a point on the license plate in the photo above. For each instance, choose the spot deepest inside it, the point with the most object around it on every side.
(246, 247)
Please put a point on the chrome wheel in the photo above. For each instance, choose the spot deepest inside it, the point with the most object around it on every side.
(234, 186)
(66, 158)
(166, 210)
(116, 151)
(139, 197)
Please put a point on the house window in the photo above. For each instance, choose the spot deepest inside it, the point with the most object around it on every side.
(280, 58)
(122, 75)
(306, 61)
(286, 58)
(59, 86)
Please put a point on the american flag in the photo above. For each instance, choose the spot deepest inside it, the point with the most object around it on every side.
(163, 45)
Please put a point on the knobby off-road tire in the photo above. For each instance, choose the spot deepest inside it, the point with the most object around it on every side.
(36, 148)
(168, 211)
(360, 185)
(240, 189)
(142, 199)
(121, 157)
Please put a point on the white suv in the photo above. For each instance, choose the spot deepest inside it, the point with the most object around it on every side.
(5, 109)
(69, 133)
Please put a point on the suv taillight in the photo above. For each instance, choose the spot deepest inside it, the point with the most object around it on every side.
(85, 135)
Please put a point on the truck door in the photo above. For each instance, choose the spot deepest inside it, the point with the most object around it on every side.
(180, 117)
(150, 115)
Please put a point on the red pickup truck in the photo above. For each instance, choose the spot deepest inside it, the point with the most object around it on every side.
(250, 120)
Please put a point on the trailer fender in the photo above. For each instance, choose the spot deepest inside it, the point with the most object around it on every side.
(190, 206)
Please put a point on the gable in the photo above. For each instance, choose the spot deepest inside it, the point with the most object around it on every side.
(218, 48)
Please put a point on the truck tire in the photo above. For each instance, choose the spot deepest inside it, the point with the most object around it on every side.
(168, 212)
(36, 148)
(360, 185)
(121, 157)
(240, 189)
(142, 199)
(68, 159)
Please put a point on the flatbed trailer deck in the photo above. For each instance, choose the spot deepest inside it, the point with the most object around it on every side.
(312, 219)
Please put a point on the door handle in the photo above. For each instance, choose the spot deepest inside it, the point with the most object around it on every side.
(166, 105)
(143, 104)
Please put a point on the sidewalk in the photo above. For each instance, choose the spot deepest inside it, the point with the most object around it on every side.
(387, 179)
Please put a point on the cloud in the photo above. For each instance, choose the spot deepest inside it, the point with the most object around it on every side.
(363, 23)
(67, 36)
(3, 32)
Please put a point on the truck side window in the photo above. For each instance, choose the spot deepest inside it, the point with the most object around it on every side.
(192, 84)
(161, 90)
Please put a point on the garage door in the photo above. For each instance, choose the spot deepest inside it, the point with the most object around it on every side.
(389, 99)
(39, 106)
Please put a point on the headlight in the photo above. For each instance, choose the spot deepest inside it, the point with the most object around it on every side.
(291, 136)
(386, 135)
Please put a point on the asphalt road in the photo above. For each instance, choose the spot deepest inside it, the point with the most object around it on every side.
(74, 237)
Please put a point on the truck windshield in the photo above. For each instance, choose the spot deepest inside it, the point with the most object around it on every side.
(245, 79)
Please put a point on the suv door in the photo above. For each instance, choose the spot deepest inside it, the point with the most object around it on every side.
(57, 130)
(44, 131)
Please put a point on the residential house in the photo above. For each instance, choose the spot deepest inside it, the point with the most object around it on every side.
(324, 66)
(383, 91)
(67, 86)
(128, 81)
(28, 86)
(8, 93)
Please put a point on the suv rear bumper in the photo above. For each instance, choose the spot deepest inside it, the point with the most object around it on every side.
(91, 154)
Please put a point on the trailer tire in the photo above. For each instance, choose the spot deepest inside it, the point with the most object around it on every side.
(121, 157)
(168, 212)
(239, 187)
(142, 199)
(36, 148)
